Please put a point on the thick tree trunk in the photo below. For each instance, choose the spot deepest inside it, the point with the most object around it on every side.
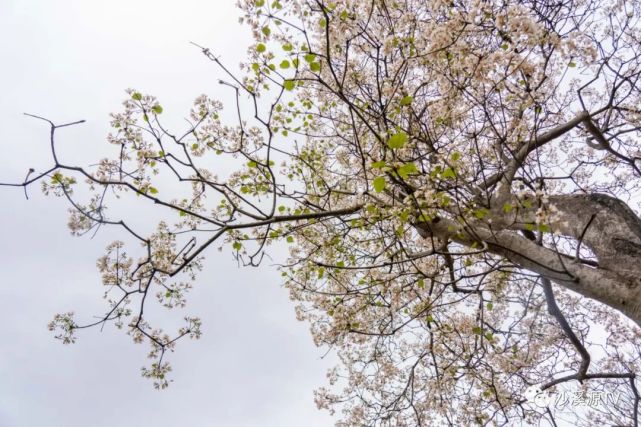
(605, 225)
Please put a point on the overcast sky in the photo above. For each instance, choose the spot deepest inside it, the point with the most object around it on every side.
(68, 60)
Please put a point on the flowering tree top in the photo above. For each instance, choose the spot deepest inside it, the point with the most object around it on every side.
(452, 179)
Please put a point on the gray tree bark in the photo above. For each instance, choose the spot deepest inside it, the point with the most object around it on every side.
(604, 224)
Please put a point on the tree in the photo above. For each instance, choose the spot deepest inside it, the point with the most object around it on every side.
(453, 180)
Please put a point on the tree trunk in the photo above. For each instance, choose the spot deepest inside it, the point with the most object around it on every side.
(604, 224)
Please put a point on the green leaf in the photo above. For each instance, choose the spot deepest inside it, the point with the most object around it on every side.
(57, 178)
(407, 169)
(285, 64)
(157, 109)
(490, 306)
(274, 234)
(572, 64)
(507, 207)
(379, 165)
(252, 164)
(315, 67)
(455, 156)
(397, 140)
(137, 96)
(310, 57)
(153, 190)
(477, 330)
(407, 100)
(448, 174)
(260, 3)
(237, 245)
(288, 47)
(544, 228)
(290, 239)
(480, 213)
(289, 84)
(379, 183)
(260, 48)
(266, 31)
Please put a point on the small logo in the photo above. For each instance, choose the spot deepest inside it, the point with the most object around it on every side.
(541, 398)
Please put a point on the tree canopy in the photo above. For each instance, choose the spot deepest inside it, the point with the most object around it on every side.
(455, 181)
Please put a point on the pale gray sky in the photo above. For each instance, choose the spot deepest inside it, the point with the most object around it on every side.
(69, 60)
